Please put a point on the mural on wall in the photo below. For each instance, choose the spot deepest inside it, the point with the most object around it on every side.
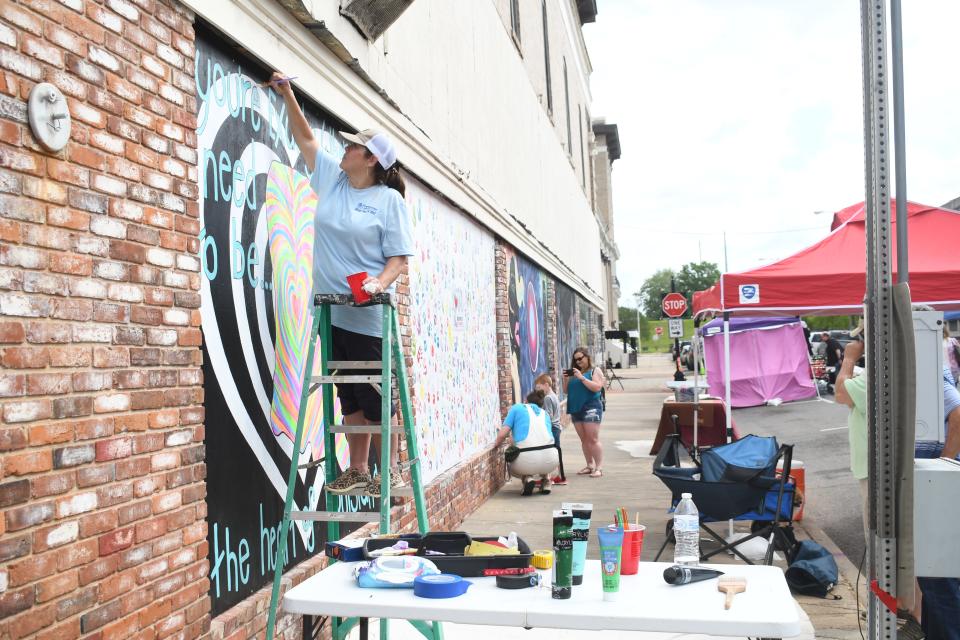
(256, 218)
(528, 344)
(568, 328)
(452, 333)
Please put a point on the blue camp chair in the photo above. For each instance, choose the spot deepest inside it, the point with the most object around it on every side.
(734, 481)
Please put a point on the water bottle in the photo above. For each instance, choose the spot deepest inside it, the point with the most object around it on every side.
(686, 530)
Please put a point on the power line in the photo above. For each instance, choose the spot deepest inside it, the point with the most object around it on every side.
(716, 233)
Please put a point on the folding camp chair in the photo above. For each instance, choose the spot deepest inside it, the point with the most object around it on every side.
(735, 481)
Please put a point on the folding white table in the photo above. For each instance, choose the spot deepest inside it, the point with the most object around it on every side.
(646, 603)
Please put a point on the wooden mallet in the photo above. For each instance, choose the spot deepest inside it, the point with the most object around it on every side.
(731, 585)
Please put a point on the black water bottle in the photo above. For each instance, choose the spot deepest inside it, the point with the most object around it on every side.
(678, 575)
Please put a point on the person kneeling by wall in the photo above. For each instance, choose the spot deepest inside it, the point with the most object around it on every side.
(533, 454)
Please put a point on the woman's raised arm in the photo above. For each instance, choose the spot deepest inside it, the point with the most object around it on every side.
(299, 127)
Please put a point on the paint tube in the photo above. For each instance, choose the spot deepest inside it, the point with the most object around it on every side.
(611, 543)
(581, 535)
(563, 554)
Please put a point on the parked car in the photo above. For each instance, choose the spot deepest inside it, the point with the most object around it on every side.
(820, 347)
(684, 345)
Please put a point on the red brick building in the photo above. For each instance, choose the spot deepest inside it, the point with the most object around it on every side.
(104, 392)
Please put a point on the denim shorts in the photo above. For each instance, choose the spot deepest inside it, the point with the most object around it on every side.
(592, 411)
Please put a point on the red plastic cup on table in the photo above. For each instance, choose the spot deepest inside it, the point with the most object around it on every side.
(632, 546)
(356, 286)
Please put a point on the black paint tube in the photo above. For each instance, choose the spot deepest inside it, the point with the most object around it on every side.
(678, 575)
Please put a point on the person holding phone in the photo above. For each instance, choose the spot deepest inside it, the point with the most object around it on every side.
(582, 383)
(361, 225)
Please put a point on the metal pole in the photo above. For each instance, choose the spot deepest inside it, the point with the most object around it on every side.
(882, 546)
(728, 410)
(725, 267)
(638, 334)
(726, 373)
(899, 135)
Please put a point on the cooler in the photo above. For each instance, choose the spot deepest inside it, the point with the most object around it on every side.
(798, 477)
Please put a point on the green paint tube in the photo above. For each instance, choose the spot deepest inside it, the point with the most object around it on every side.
(562, 554)
(611, 546)
(582, 512)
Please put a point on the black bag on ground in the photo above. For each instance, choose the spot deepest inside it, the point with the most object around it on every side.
(812, 571)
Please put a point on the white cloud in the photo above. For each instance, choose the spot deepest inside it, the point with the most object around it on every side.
(747, 116)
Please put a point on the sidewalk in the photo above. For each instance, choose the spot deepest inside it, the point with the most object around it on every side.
(628, 429)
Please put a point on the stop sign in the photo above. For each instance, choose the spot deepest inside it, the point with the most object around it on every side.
(659, 331)
(674, 305)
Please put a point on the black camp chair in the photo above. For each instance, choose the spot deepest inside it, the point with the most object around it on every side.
(735, 481)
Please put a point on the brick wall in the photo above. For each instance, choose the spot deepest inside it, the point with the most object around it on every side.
(101, 418)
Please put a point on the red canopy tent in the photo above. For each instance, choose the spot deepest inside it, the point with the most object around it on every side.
(829, 277)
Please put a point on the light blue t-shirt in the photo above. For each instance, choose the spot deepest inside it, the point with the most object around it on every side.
(354, 230)
(951, 397)
(519, 421)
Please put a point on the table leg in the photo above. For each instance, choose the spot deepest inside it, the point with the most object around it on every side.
(364, 631)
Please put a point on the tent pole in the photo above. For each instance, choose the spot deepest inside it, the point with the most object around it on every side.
(726, 374)
(726, 392)
(696, 386)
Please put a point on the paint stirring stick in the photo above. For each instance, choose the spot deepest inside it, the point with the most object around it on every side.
(731, 585)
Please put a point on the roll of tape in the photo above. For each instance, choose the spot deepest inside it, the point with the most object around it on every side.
(542, 559)
(518, 582)
(442, 585)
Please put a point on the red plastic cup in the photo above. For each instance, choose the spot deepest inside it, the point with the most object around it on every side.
(356, 285)
(632, 546)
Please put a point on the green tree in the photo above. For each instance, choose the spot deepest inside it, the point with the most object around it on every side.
(696, 276)
(653, 290)
(628, 318)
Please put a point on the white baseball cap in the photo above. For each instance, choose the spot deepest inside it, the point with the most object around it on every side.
(378, 144)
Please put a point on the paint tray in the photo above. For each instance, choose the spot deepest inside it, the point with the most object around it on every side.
(452, 545)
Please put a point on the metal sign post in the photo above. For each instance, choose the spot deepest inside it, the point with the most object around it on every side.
(882, 538)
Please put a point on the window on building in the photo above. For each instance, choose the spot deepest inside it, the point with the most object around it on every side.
(583, 158)
(515, 19)
(590, 158)
(546, 56)
(566, 99)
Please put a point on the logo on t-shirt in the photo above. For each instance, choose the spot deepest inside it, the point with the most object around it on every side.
(365, 208)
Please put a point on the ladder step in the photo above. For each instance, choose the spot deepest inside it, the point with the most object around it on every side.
(349, 379)
(336, 516)
(362, 428)
(354, 364)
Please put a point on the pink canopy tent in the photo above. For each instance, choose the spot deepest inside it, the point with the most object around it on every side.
(768, 360)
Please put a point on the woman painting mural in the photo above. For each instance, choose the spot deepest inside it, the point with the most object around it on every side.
(361, 225)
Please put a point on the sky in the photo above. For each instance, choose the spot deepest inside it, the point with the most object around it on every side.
(746, 117)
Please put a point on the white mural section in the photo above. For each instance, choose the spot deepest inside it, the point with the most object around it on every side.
(453, 333)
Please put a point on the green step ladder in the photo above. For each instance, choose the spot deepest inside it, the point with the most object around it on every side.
(392, 361)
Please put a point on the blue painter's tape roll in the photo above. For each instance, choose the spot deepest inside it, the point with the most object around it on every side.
(443, 585)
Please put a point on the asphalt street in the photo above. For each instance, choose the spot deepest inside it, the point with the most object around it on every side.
(818, 431)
